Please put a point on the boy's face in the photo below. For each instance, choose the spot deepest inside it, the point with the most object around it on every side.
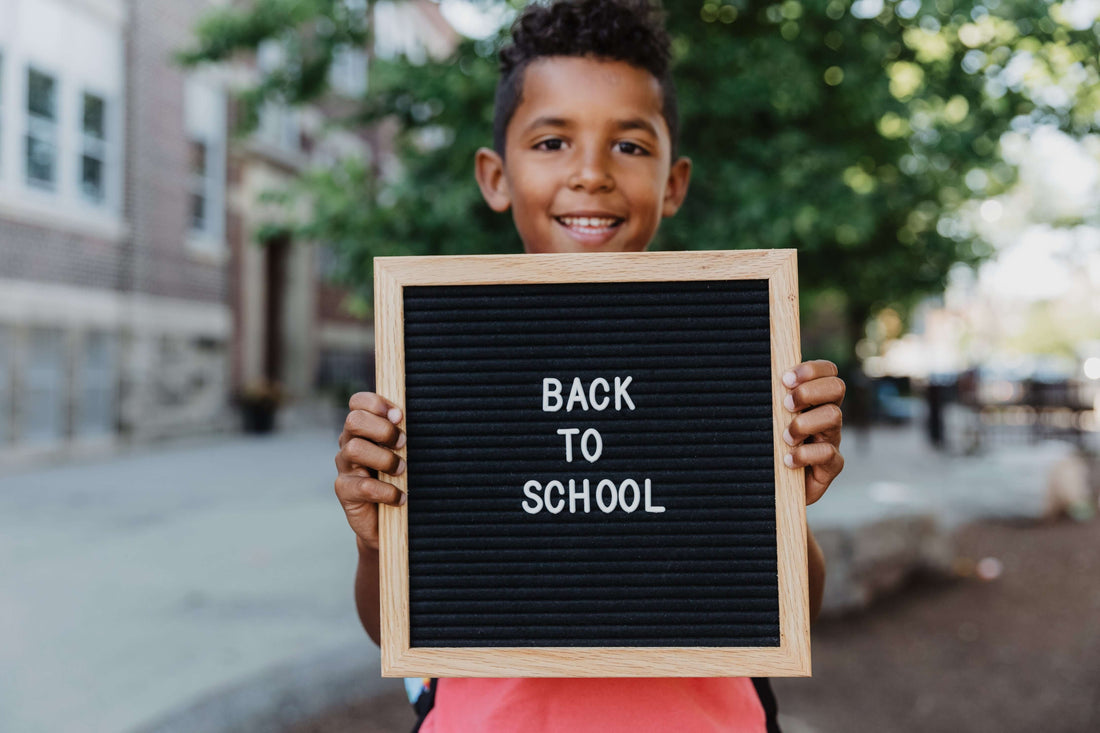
(587, 159)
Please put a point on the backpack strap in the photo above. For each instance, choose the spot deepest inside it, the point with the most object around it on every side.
(767, 699)
(424, 703)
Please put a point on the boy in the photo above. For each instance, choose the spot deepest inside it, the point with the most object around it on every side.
(585, 157)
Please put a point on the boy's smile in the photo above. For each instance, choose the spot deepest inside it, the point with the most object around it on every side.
(587, 158)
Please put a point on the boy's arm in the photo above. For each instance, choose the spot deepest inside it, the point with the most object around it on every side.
(816, 565)
(367, 446)
(367, 601)
(816, 393)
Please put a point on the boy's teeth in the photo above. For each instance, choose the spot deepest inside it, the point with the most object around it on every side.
(587, 221)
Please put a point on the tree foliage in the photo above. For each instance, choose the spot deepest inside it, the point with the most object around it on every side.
(854, 132)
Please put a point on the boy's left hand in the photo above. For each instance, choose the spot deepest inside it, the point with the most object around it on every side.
(815, 392)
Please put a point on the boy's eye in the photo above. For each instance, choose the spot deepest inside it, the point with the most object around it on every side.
(551, 144)
(631, 148)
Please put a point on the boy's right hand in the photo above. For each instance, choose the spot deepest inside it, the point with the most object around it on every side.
(370, 433)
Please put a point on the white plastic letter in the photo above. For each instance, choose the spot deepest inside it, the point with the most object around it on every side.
(568, 433)
(620, 393)
(574, 495)
(649, 500)
(555, 486)
(576, 394)
(529, 490)
(606, 484)
(599, 406)
(593, 456)
(551, 390)
(633, 486)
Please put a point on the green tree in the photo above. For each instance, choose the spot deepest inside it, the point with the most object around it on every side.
(854, 132)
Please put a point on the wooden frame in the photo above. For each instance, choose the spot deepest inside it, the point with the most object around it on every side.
(791, 658)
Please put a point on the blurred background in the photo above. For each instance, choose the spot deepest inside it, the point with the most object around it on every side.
(190, 198)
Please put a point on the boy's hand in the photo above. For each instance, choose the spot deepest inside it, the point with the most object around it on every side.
(814, 435)
(370, 431)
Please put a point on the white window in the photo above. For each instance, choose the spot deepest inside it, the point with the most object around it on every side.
(205, 122)
(96, 409)
(348, 73)
(330, 263)
(280, 126)
(44, 410)
(1, 117)
(198, 157)
(41, 150)
(6, 350)
(93, 153)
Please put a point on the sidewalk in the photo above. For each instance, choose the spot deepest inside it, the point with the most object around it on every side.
(140, 585)
(208, 586)
(893, 472)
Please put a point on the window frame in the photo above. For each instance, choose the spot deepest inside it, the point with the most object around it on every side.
(52, 128)
(199, 184)
(206, 124)
(105, 146)
(3, 90)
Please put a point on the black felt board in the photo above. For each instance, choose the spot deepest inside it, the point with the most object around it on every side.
(485, 573)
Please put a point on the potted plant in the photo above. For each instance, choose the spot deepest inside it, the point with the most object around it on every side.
(259, 400)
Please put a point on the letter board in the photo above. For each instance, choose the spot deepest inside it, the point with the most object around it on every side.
(594, 466)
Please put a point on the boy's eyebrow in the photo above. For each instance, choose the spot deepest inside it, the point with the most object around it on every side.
(546, 121)
(633, 123)
(636, 123)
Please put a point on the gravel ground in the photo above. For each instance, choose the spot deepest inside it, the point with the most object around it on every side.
(1020, 652)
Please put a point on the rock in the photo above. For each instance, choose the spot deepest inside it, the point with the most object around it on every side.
(1067, 489)
(867, 561)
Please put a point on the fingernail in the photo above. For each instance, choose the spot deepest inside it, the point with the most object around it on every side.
(394, 415)
(400, 468)
(789, 460)
(787, 437)
(790, 379)
(401, 440)
(402, 499)
(788, 402)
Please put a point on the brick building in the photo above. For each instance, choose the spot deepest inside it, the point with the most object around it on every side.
(134, 300)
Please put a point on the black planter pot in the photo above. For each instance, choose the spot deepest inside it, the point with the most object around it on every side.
(258, 417)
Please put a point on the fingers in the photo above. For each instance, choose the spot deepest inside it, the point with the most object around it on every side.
(367, 443)
(360, 497)
(372, 427)
(825, 420)
(824, 463)
(364, 453)
(366, 404)
(376, 404)
(366, 432)
(813, 383)
(355, 490)
(818, 391)
(809, 370)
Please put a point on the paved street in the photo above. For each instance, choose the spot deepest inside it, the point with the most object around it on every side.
(214, 576)
(136, 585)
(894, 471)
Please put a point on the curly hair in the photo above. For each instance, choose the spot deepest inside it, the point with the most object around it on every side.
(616, 30)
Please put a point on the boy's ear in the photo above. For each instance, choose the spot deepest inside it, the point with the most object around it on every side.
(677, 186)
(489, 172)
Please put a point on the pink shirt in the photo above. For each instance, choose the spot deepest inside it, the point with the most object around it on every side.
(530, 705)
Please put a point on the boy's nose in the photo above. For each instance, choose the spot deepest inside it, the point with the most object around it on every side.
(592, 175)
